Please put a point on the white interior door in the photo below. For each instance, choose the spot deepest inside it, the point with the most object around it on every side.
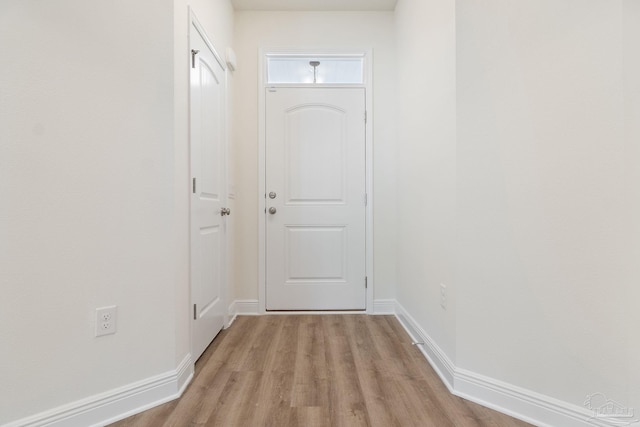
(315, 210)
(208, 228)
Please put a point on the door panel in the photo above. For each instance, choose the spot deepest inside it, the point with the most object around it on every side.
(210, 106)
(315, 166)
(208, 251)
(303, 247)
(208, 228)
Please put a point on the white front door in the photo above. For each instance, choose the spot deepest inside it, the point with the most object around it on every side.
(315, 209)
(208, 227)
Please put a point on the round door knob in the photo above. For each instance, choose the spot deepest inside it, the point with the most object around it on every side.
(225, 211)
(272, 210)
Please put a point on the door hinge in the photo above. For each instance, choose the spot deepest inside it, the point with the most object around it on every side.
(193, 185)
(366, 199)
(365, 116)
(195, 313)
(194, 52)
(366, 282)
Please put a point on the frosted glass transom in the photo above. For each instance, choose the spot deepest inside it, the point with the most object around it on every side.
(330, 70)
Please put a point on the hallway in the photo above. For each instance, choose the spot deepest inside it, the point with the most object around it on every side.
(329, 370)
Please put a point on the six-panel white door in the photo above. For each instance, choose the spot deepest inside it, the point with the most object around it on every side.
(208, 228)
(315, 209)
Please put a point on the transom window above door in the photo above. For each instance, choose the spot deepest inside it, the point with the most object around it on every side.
(320, 69)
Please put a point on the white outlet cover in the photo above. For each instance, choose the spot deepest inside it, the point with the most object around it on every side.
(443, 296)
(106, 318)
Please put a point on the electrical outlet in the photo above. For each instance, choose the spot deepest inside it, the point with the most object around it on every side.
(443, 296)
(106, 318)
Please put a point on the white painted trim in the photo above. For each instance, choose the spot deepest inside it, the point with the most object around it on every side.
(384, 306)
(231, 315)
(262, 191)
(368, 64)
(116, 404)
(193, 20)
(247, 307)
(527, 405)
(437, 358)
(184, 373)
(368, 86)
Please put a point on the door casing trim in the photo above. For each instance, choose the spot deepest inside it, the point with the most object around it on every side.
(262, 190)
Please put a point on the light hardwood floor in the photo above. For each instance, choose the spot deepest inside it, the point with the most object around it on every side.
(316, 370)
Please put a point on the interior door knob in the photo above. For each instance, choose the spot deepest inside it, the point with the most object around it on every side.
(272, 210)
(225, 211)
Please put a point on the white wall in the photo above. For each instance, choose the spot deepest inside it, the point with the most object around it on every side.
(93, 194)
(545, 229)
(538, 228)
(426, 150)
(86, 188)
(631, 69)
(311, 30)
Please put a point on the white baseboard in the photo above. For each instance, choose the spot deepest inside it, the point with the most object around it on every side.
(246, 307)
(437, 358)
(527, 405)
(114, 405)
(231, 315)
(384, 306)
(185, 372)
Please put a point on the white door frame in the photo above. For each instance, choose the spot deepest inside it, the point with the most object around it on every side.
(262, 84)
(224, 292)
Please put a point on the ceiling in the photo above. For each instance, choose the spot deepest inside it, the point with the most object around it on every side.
(319, 5)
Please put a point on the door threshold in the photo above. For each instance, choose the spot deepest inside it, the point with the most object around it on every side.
(276, 312)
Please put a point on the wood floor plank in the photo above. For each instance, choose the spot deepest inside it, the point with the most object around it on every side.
(199, 402)
(277, 385)
(346, 400)
(411, 393)
(287, 345)
(375, 390)
(238, 402)
(153, 417)
(260, 353)
(227, 350)
(311, 375)
(311, 416)
(317, 371)
(391, 388)
(274, 404)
